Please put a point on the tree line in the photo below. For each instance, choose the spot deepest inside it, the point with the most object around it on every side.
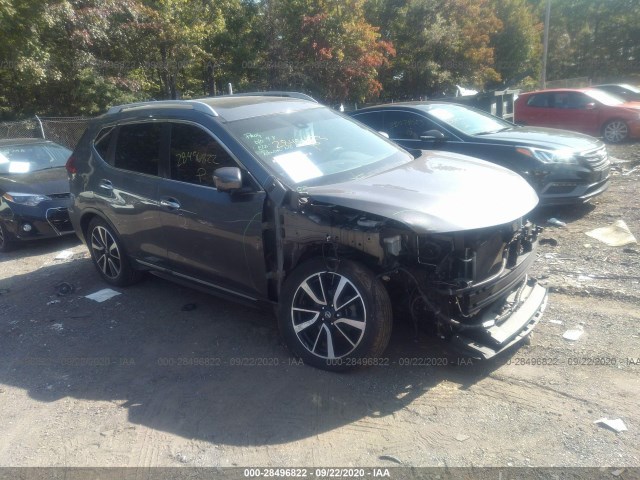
(77, 57)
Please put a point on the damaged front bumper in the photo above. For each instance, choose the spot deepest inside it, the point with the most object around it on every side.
(494, 333)
(480, 294)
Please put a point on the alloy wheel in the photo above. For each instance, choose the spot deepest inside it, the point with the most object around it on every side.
(616, 131)
(106, 252)
(328, 315)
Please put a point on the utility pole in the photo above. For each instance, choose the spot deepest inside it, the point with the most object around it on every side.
(545, 43)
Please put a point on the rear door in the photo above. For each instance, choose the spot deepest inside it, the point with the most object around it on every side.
(126, 187)
(212, 237)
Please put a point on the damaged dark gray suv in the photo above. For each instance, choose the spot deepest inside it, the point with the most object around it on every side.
(283, 201)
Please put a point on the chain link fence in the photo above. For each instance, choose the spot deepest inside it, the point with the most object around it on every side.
(64, 130)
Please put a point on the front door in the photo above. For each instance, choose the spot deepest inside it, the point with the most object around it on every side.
(211, 236)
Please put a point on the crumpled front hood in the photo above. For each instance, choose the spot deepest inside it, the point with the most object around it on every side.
(436, 193)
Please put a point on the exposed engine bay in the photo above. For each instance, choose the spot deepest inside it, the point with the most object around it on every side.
(470, 287)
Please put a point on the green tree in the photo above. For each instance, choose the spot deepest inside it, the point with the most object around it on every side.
(518, 44)
(323, 46)
(439, 43)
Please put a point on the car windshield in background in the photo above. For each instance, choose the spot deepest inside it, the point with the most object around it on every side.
(17, 159)
(316, 147)
(468, 121)
(605, 97)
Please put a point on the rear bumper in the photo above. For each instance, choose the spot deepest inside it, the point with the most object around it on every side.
(484, 342)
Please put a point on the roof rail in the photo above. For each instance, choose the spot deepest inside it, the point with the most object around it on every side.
(190, 104)
(274, 93)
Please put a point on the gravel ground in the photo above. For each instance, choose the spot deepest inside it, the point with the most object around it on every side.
(140, 381)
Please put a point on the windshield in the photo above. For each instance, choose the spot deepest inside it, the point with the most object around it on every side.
(468, 121)
(605, 97)
(316, 147)
(16, 159)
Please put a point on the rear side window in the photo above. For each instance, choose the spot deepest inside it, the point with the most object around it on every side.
(374, 120)
(195, 154)
(540, 100)
(138, 148)
(102, 142)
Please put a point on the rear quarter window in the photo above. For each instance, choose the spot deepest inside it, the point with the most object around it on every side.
(102, 141)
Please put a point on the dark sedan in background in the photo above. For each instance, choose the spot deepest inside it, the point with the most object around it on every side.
(563, 167)
(34, 191)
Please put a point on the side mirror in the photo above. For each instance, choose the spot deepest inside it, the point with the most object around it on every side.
(227, 179)
(433, 135)
(384, 134)
(590, 106)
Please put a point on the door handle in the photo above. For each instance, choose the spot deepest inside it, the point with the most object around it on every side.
(106, 184)
(170, 203)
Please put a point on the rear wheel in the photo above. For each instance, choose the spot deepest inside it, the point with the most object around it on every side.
(335, 319)
(108, 255)
(615, 131)
(6, 241)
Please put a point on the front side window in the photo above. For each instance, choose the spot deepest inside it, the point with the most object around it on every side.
(138, 148)
(195, 154)
(316, 146)
(406, 125)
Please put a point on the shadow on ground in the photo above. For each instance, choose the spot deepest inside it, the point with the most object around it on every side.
(216, 372)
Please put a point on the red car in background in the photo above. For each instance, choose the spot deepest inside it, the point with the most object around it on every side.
(586, 110)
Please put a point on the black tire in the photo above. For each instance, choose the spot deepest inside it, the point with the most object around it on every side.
(108, 256)
(6, 240)
(317, 331)
(615, 131)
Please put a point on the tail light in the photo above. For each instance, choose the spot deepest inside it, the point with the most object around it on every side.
(71, 165)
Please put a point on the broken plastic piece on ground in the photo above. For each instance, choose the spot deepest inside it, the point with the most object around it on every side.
(616, 235)
(616, 424)
(557, 322)
(391, 458)
(102, 295)
(461, 437)
(64, 255)
(65, 288)
(549, 241)
(573, 334)
(52, 302)
(556, 222)
(187, 307)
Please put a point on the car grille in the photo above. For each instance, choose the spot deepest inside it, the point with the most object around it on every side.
(58, 218)
(597, 159)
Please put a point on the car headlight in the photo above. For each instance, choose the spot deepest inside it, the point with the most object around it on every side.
(549, 156)
(28, 199)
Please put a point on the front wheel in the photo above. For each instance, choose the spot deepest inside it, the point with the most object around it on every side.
(615, 131)
(108, 255)
(335, 319)
(6, 242)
